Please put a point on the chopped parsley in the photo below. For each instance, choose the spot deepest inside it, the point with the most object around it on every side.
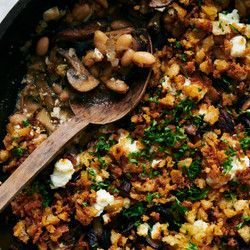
(153, 99)
(133, 160)
(103, 144)
(26, 123)
(178, 45)
(240, 225)
(191, 246)
(194, 169)
(43, 189)
(100, 185)
(227, 165)
(182, 56)
(192, 193)
(17, 151)
(245, 142)
(134, 211)
(221, 27)
(231, 195)
(230, 151)
(235, 30)
(115, 190)
(178, 208)
(150, 196)
(91, 171)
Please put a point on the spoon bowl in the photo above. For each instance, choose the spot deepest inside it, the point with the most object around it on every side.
(99, 106)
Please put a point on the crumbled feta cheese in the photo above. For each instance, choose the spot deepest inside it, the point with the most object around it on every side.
(155, 163)
(230, 17)
(106, 218)
(103, 199)
(57, 102)
(187, 82)
(238, 164)
(98, 178)
(211, 114)
(222, 27)
(238, 46)
(57, 113)
(156, 231)
(161, 9)
(168, 86)
(62, 173)
(97, 55)
(72, 52)
(142, 230)
(202, 111)
(194, 89)
(127, 143)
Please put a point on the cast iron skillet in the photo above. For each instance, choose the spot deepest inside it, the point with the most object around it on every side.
(15, 29)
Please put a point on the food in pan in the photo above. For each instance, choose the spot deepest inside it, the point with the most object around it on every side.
(175, 173)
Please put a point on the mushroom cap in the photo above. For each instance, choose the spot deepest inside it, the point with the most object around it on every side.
(81, 82)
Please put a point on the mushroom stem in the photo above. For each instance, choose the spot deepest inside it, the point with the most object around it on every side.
(78, 76)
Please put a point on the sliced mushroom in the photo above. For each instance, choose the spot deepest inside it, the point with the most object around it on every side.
(159, 3)
(155, 244)
(117, 85)
(44, 118)
(154, 25)
(78, 76)
(165, 216)
(191, 129)
(47, 92)
(120, 32)
(81, 32)
(241, 7)
(225, 122)
(213, 95)
(246, 105)
(92, 239)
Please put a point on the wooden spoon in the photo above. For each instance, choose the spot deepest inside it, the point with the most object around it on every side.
(96, 107)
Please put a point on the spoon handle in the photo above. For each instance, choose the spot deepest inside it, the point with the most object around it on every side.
(40, 158)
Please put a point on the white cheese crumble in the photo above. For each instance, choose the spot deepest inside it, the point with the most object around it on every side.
(238, 46)
(103, 199)
(106, 218)
(202, 111)
(168, 86)
(238, 164)
(222, 26)
(230, 17)
(63, 172)
(156, 231)
(187, 82)
(97, 55)
(127, 143)
(155, 163)
(57, 113)
(142, 230)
